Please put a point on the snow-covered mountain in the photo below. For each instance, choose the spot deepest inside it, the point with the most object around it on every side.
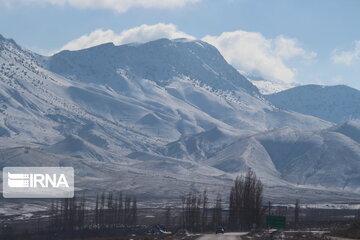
(332, 103)
(172, 78)
(161, 61)
(266, 86)
(164, 115)
(328, 158)
(37, 109)
(201, 146)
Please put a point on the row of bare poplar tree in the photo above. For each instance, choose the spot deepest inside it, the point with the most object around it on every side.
(245, 207)
(112, 211)
(109, 212)
(197, 215)
(245, 203)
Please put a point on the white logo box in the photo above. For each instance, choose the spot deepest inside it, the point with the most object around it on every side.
(38, 182)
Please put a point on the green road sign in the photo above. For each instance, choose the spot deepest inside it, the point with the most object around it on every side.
(276, 221)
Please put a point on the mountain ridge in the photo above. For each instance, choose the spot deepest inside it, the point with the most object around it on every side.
(337, 103)
(172, 55)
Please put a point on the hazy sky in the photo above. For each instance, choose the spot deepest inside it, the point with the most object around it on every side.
(285, 41)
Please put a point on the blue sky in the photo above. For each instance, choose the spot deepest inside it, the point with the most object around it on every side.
(286, 41)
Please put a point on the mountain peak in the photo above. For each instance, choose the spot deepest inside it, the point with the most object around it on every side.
(160, 61)
(9, 40)
(316, 87)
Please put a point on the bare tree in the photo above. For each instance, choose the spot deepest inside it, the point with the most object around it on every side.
(97, 213)
(217, 212)
(120, 213)
(233, 209)
(183, 210)
(127, 211)
(134, 212)
(204, 217)
(81, 213)
(246, 202)
(102, 210)
(297, 213)
(192, 212)
(109, 212)
(168, 216)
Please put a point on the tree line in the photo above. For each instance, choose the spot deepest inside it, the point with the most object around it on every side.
(115, 211)
(109, 211)
(196, 215)
(245, 202)
(245, 207)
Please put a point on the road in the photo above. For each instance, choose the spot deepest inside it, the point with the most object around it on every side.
(338, 238)
(226, 236)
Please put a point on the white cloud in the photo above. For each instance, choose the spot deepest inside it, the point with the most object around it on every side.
(287, 48)
(117, 5)
(253, 53)
(143, 33)
(347, 57)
